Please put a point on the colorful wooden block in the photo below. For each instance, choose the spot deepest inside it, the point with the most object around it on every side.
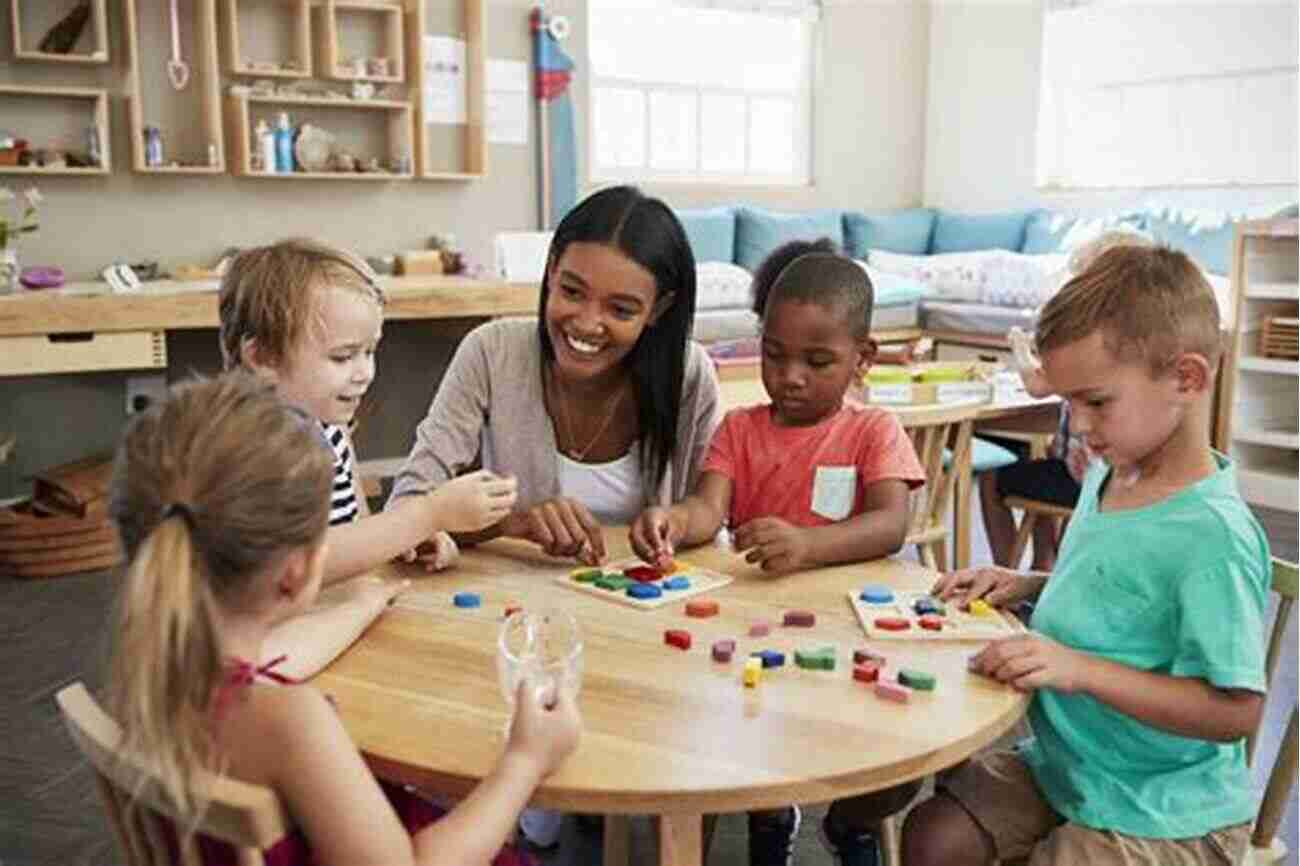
(701, 607)
(931, 621)
(914, 679)
(893, 691)
(723, 650)
(799, 618)
(769, 658)
(586, 575)
(892, 623)
(467, 599)
(644, 590)
(512, 608)
(925, 604)
(643, 573)
(613, 582)
(760, 629)
(678, 582)
(876, 594)
(980, 607)
(820, 658)
(678, 637)
(866, 655)
(753, 672)
(866, 672)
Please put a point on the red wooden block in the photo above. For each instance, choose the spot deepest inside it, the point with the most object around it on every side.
(893, 691)
(800, 618)
(643, 573)
(866, 655)
(931, 621)
(892, 623)
(866, 672)
(678, 637)
(701, 607)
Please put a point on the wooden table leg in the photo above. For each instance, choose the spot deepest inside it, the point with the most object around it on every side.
(618, 841)
(961, 519)
(680, 839)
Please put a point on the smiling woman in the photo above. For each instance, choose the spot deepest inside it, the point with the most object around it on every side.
(601, 408)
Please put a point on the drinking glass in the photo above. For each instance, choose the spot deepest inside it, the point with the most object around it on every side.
(545, 646)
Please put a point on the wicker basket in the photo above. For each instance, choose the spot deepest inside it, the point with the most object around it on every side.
(1280, 337)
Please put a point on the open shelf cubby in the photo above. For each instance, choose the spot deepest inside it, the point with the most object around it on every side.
(32, 112)
(454, 152)
(258, 30)
(390, 139)
(189, 119)
(31, 20)
(352, 37)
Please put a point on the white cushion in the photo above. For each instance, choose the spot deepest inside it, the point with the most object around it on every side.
(722, 285)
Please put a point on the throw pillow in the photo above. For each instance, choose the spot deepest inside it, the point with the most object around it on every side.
(1022, 281)
(758, 232)
(951, 277)
(721, 285)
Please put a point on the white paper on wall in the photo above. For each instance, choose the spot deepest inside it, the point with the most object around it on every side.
(507, 102)
(444, 80)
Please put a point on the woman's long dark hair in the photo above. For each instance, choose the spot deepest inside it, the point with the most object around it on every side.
(646, 231)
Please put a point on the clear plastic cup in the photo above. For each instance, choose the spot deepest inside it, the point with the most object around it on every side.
(545, 646)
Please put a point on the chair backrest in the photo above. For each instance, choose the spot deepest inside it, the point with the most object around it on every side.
(1283, 775)
(249, 817)
(932, 431)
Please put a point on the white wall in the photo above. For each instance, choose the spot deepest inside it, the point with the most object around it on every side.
(981, 115)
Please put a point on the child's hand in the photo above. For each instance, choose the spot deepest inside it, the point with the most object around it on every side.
(561, 527)
(472, 502)
(653, 536)
(438, 553)
(1022, 350)
(546, 726)
(1028, 662)
(998, 586)
(778, 546)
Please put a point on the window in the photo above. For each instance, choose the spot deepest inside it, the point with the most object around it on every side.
(703, 91)
(1163, 94)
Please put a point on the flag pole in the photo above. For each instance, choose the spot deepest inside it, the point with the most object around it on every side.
(537, 19)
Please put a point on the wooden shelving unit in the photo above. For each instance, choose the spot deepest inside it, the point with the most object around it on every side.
(399, 134)
(98, 109)
(473, 139)
(204, 85)
(1258, 412)
(98, 25)
(238, 64)
(329, 51)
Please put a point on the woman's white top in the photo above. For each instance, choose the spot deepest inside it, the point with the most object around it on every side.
(611, 491)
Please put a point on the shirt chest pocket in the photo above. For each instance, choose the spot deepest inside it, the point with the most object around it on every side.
(834, 489)
(1129, 616)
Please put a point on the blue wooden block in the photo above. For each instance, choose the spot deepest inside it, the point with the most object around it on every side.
(644, 590)
(876, 594)
(925, 604)
(466, 599)
(770, 658)
(677, 583)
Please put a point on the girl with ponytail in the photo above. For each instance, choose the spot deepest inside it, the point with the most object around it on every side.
(221, 498)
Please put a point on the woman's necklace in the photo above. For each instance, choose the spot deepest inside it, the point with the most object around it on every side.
(573, 451)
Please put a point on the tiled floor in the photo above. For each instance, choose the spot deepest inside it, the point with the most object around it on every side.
(49, 813)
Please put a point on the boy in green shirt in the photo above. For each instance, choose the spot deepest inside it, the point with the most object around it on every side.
(1146, 651)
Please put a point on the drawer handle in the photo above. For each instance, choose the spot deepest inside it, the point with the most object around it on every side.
(73, 337)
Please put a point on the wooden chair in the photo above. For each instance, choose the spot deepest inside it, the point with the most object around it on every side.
(932, 431)
(1034, 511)
(1265, 847)
(249, 817)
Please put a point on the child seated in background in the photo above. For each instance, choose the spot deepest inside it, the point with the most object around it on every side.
(221, 498)
(1145, 658)
(806, 480)
(308, 318)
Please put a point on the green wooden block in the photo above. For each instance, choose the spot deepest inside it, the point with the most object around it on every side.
(914, 679)
(820, 658)
(587, 575)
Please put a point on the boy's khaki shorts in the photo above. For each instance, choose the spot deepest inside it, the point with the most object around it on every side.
(999, 792)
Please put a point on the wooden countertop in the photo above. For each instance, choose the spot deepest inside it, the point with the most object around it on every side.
(167, 305)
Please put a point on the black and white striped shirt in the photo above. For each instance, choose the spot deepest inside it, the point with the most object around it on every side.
(343, 497)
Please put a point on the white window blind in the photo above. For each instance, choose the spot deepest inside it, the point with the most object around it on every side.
(707, 91)
(1167, 94)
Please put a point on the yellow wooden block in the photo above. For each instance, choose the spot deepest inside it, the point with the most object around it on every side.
(753, 671)
(980, 607)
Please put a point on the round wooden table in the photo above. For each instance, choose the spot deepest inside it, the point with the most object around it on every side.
(666, 732)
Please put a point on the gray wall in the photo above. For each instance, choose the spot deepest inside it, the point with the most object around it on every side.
(869, 129)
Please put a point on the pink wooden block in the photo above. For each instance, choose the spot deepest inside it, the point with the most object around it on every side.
(760, 629)
(800, 618)
(723, 649)
(892, 691)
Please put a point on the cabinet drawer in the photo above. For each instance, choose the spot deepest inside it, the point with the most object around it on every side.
(82, 352)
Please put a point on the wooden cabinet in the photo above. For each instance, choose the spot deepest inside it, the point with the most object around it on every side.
(1258, 415)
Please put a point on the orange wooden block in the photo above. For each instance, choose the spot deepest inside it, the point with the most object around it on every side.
(701, 607)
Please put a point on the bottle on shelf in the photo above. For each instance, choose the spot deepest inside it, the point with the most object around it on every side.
(153, 149)
(265, 148)
(283, 145)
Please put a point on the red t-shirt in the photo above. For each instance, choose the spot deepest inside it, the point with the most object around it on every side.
(809, 476)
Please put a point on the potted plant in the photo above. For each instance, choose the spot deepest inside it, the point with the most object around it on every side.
(11, 228)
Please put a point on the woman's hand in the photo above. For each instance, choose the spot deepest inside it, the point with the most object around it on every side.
(654, 537)
(561, 527)
(998, 586)
(778, 547)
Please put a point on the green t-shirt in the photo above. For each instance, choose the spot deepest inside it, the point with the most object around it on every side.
(1178, 588)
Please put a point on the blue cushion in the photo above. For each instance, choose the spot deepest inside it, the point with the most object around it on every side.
(959, 233)
(1204, 235)
(985, 456)
(712, 233)
(900, 231)
(758, 232)
(893, 290)
(1046, 231)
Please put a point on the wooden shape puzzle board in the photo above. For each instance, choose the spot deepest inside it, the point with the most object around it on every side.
(702, 580)
(957, 624)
